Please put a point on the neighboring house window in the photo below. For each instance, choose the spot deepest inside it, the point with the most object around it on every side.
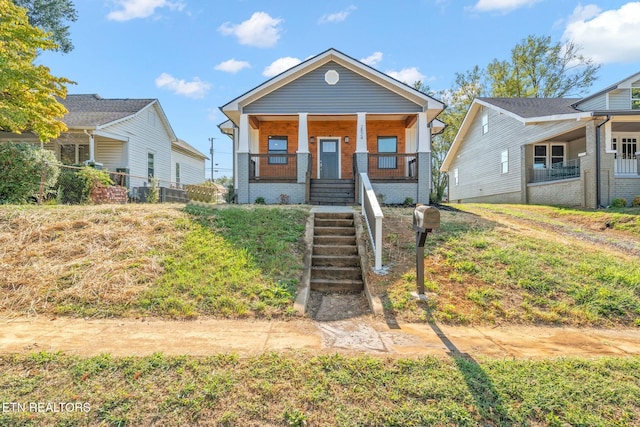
(387, 144)
(505, 161)
(177, 173)
(546, 155)
(485, 122)
(278, 145)
(150, 166)
(635, 98)
(73, 154)
(455, 176)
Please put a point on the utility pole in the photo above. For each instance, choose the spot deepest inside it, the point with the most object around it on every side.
(211, 151)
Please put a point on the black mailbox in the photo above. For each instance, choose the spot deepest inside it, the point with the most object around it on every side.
(425, 220)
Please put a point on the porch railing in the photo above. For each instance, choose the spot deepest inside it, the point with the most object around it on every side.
(273, 167)
(627, 164)
(561, 170)
(393, 166)
(373, 218)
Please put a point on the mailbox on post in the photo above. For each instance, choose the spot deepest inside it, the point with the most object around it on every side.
(425, 220)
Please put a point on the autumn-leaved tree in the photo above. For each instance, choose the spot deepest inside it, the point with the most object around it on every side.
(27, 91)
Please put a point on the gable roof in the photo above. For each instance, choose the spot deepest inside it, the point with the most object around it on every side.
(91, 111)
(233, 108)
(526, 110)
(185, 146)
(622, 84)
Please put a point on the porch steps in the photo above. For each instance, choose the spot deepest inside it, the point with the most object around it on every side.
(332, 191)
(335, 263)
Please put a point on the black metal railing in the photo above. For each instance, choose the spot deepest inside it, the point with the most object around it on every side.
(393, 166)
(273, 167)
(561, 170)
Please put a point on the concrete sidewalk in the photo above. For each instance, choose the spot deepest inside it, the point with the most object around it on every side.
(361, 335)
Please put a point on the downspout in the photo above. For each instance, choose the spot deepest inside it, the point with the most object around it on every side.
(598, 196)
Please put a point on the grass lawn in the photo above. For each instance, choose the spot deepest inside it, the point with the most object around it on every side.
(142, 260)
(523, 264)
(297, 389)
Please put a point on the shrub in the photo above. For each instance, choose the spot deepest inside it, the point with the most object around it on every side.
(284, 199)
(154, 191)
(23, 167)
(70, 187)
(408, 201)
(75, 185)
(619, 203)
(260, 201)
(636, 201)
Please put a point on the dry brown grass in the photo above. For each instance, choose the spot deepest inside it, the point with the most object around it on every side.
(99, 255)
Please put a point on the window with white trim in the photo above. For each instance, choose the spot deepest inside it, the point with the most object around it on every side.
(546, 155)
(504, 161)
(150, 165)
(485, 122)
(635, 98)
(455, 176)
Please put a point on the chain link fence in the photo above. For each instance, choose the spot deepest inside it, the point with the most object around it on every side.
(62, 184)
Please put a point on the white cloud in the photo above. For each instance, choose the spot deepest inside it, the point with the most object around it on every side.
(503, 6)
(232, 66)
(372, 59)
(606, 36)
(193, 89)
(336, 17)
(280, 65)
(132, 9)
(261, 30)
(407, 75)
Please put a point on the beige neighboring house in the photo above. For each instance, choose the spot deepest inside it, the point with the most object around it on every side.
(123, 135)
(559, 151)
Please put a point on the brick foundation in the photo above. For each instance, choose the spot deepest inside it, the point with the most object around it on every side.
(114, 194)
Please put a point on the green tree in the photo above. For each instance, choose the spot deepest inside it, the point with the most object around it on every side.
(52, 16)
(28, 92)
(541, 69)
(27, 172)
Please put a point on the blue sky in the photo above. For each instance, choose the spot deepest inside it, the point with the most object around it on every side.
(196, 55)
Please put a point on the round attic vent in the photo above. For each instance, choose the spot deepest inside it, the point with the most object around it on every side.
(331, 77)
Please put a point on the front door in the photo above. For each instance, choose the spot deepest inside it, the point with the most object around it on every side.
(329, 159)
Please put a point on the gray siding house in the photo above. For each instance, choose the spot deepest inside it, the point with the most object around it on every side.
(123, 135)
(321, 124)
(561, 151)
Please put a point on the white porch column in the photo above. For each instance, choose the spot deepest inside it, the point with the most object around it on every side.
(243, 141)
(92, 147)
(361, 139)
(303, 133)
(424, 134)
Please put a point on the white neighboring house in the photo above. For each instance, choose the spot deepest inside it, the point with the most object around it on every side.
(123, 135)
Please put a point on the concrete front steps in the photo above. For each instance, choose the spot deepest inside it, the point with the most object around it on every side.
(335, 263)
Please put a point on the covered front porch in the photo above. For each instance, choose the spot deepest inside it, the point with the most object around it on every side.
(280, 154)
